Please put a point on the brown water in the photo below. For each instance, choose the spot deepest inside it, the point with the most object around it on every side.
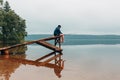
(82, 62)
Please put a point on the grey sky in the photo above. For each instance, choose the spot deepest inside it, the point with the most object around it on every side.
(75, 16)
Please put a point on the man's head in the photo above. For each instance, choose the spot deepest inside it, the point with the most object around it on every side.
(59, 26)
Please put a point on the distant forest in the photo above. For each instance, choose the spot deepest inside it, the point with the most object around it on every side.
(72, 39)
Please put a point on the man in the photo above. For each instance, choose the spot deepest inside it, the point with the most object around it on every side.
(57, 32)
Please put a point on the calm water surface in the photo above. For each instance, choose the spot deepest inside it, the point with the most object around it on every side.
(82, 62)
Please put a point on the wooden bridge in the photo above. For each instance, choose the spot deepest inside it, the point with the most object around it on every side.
(43, 42)
(50, 60)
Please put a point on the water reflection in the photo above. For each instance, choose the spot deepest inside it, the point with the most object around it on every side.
(9, 63)
(7, 67)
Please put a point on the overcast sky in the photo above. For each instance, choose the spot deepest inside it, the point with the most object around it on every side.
(75, 16)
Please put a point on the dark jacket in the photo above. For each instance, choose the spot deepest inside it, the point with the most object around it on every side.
(57, 31)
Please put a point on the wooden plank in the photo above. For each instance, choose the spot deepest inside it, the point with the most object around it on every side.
(52, 58)
(48, 45)
(30, 62)
(13, 46)
(50, 38)
(45, 56)
(30, 42)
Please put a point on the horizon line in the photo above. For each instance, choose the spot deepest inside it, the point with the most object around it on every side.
(69, 34)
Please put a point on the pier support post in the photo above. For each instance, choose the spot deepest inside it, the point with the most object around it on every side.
(4, 52)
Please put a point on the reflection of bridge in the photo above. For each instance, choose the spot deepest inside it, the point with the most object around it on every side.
(55, 62)
(52, 60)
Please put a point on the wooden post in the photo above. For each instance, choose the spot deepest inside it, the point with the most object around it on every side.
(6, 52)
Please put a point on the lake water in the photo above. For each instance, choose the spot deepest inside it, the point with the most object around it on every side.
(81, 62)
(85, 57)
(82, 39)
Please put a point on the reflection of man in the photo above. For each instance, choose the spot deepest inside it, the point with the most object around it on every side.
(57, 72)
(59, 68)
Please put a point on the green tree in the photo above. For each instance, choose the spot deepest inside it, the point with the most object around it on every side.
(2, 23)
(7, 7)
(12, 26)
(1, 2)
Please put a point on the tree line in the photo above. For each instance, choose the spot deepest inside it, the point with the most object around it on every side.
(12, 26)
